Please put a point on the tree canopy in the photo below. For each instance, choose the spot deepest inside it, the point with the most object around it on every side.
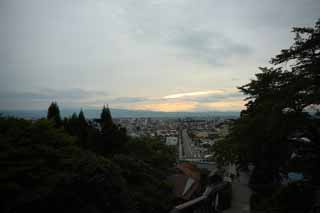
(278, 101)
(106, 118)
(278, 113)
(54, 113)
(77, 167)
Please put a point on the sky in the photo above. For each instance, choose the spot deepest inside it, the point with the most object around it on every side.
(162, 55)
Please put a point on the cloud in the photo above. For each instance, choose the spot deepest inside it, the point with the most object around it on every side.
(167, 107)
(220, 97)
(224, 105)
(207, 96)
(139, 51)
(42, 98)
(75, 98)
(50, 94)
(176, 106)
(226, 99)
(209, 47)
(191, 94)
(129, 100)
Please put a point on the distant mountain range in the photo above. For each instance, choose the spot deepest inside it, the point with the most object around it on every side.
(119, 113)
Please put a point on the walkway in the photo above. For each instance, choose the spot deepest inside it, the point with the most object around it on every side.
(240, 195)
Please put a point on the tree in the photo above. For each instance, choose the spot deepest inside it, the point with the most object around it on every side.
(54, 114)
(105, 118)
(304, 55)
(78, 126)
(82, 119)
(145, 164)
(48, 172)
(276, 109)
(51, 170)
(275, 121)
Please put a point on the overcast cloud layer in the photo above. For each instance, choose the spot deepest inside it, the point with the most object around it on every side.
(135, 54)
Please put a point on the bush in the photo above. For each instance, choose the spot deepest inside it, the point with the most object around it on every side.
(43, 171)
(297, 196)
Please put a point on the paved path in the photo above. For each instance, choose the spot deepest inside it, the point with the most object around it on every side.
(240, 195)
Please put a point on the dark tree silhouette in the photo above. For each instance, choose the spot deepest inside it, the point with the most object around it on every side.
(81, 168)
(278, 99)
(82, 118)
(54, 114)
(106, 119)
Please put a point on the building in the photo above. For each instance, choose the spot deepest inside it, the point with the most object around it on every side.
(171, 141)
(186, 182)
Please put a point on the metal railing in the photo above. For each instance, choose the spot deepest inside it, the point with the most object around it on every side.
(206, 203)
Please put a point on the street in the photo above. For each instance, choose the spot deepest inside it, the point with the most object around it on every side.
(186, 145)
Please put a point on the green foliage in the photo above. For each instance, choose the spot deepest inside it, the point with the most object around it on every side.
(294, 197)
(82, 119)
(275, 113)
(106, 119)
(145, 164)
(43, 171)
(80, 168)
(77, 126)
(111, 140)
(54, 114)
(152, 151)
(147, 184)
(275, 108)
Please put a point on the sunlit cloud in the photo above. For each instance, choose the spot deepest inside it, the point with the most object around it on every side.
(216, 99)
(167, 107)
(225, 105)
(191, 94)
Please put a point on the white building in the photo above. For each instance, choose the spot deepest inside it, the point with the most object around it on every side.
(171, 141)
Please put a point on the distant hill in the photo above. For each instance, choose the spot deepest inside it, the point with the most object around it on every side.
(119, 113)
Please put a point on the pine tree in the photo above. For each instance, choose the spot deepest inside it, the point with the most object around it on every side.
(74, 116)
(82, 118)
(105, 118)
(54, 114)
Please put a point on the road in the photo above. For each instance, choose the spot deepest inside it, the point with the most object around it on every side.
(188, 152)
(187, 148)
(186, 144)
(180, 146)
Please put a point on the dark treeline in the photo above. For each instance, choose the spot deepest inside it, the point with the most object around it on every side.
(279, 131)
(72, 165)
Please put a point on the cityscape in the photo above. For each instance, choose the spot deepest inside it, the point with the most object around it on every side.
(192, 136)
(159, 106)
